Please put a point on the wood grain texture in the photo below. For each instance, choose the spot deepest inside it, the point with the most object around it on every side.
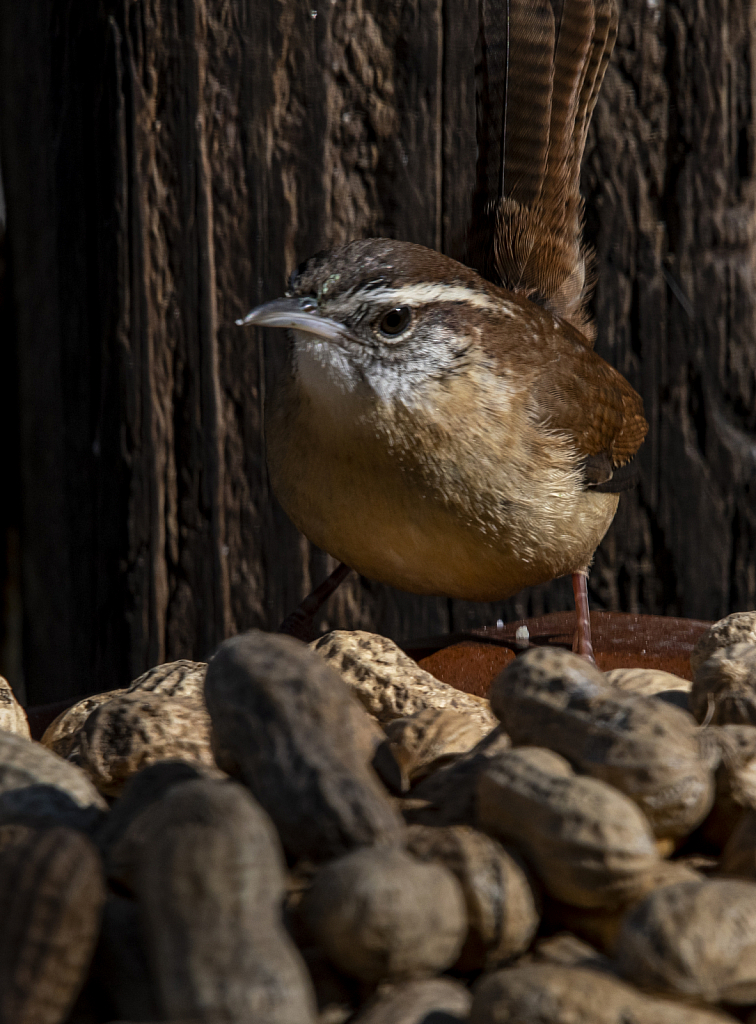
(669, 187)
(178, 160)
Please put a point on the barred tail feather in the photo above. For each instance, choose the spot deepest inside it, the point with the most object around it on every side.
(542, 65)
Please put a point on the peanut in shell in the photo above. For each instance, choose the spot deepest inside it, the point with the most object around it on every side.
(646, 748)
(12, 715)
(503, 904)
(724, 687)
(588, 844)
(694, 940)
(737, 628)
(552, 994)
(208, 875)
(51, 896)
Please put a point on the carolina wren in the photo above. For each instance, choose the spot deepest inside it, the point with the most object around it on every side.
(447, 432)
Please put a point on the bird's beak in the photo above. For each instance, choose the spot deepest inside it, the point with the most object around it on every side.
(301, 314)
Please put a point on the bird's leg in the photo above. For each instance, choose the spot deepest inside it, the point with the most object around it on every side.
(299, 622)
(582, 642)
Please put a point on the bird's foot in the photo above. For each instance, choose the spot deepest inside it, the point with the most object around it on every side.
(299, 623)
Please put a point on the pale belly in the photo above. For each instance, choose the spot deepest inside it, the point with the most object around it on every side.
(354, 499)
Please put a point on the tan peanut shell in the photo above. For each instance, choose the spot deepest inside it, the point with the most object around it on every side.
(144, 789)
(12, 715)
(648, 682)
(552, 994)
(447, 796)
(381, 915)
(180, 678)
(502, 906)
(62, 733)
(566, 950)
(172, 679)
(51, 896)
(695, 940)
(389, 683)
(285, 723)
(209, 880)
(33, 778)
(740, 627)
(128, 828)
(644, 747)
(587, 843)
(601, 925)
(134, 730)
(724, 687)
(429, 739)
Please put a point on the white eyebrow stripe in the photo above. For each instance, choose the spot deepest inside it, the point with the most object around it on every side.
(419, 294)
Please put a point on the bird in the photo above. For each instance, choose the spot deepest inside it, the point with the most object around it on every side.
(443, 426)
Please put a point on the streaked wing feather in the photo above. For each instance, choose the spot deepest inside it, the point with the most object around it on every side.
(571, 389)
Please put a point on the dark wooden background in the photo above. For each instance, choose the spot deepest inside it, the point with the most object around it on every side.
(165, 164)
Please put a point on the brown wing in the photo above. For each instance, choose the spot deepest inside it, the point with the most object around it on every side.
(572, 389)
(594, 405)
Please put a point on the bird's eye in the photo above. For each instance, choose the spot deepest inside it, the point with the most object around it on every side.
(395, 321)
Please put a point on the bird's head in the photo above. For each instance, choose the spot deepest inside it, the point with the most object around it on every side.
(385, 315)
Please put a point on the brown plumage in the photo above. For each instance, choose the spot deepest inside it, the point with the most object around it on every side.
(451, 433)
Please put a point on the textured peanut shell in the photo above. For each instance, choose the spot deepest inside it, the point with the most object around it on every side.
(210, 883)
(51, 896)
(600, 926)
(426, 741)
(62, 733)
(566, 950)
(287, 725)
(648, 682)
(12, 715)
(140, 792)
(381, 915)
(740, 627)
(502, 907)
(552, 994)
(129, 828)
(644, 747)
(172, 679)
(180, 678)
(447, 796)
(724, 687)
(35, 782)
(134, 730)
(693, 939)
(389, 683)
(588, 844)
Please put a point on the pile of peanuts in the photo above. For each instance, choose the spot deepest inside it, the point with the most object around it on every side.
(294, 834)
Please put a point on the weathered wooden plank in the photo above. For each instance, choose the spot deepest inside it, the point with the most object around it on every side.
(669, 188)
(352, 148)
